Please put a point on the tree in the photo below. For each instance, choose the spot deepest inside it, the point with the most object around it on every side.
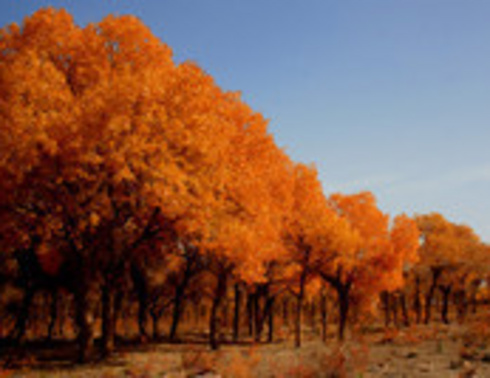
(404, 236)
(444, 250)
(313, 234)
(368, 258)
(108, 146)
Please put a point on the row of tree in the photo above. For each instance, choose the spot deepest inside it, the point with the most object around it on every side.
(124, 173)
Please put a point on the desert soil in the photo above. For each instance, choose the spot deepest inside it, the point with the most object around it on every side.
(441, 351)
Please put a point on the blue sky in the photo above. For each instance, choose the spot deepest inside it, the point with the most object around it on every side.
(389, 96)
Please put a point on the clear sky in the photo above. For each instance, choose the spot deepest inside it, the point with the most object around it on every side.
(392, 96)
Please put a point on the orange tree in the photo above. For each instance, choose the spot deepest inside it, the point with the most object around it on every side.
(262, 185)
(108, 147)
(434, 257)
(478, 260)
(244, 232)
(446, 252)
(466, 273)
(366, 258)
(308, 222)
(452, 254)
(113, 157)
(404, 236)
(83, 122)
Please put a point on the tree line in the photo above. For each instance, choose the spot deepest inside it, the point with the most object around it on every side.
(129, 178)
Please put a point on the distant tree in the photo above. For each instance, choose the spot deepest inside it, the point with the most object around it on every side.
(444, 251)
(369, 258)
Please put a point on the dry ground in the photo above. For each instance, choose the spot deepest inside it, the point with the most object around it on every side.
(419, 351)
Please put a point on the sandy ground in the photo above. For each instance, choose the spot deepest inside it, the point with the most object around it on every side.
(436, 351)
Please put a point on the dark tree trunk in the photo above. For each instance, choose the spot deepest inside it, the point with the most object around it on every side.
(256, 315)
(264, 312)
(323, 312)
(20, 324)
(343, 297)
(403, 305)
(236, 315)
(297, 321)
(462, 305)
(141, 287)
(156, 331)
(250, 313)
(385, 298)
(85, 320)
(394, 307)
(177, 309)
(299, 308)
(108, 318)
(446, 291)
(261, 312)
(430, 295)
(226, 315)
(473, 301)
(455, 302)
(179, 300)
(285, 311)
(142, 312)
(118, 307)
(30, 269)
(417, 305)
(213, 318)
(53, 313)
(270, 336)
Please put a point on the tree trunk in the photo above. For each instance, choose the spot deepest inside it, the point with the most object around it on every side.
(343, 297)
(262, 312)
(108, 318)
(430, 295)
(462, 305)
(177, 309)
(385, 298)
(236, 315)
(403, 305)
(394, 307)
(250, 313)
(257, 315)
(473, 301)
(299, 308)
(213, 318)
(156, 329)
(141, 287)
(446, 291)
(270, 336)
(85, 320)
(119, 314)
(53, 313)
(417, 304)
(20, 324)
(142, 312)
(323, 312)
(285, 311)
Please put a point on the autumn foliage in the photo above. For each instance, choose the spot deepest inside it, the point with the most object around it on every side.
(130, 180)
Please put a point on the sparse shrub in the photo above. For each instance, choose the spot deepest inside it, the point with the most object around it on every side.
(199, 361)
(240, 364)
